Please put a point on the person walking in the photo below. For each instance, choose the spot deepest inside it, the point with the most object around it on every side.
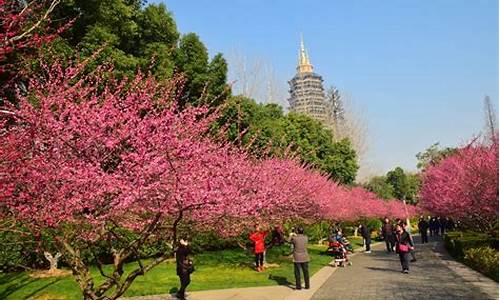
(184, 267)
(442, 226)
(403, 245)
(437, 226)
(450, 225)
(423, 226)
(432, 226)
(388, 235)
(365, 233)
(300, 258)
(407, 228)
(258, 238)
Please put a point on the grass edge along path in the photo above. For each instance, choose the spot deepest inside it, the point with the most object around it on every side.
(231, 268)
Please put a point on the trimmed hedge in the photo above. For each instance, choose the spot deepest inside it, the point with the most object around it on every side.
(484, 260)
(477, 250)
(457, 242)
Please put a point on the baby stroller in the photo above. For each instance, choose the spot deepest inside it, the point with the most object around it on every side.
(339, 252)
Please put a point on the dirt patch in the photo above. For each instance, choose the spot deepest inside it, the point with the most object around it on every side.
(49, 273)
(268, 265)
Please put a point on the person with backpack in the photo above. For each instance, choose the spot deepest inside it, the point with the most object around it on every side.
(185, 267)
(258, 238)
(300, 258)
(404, 244)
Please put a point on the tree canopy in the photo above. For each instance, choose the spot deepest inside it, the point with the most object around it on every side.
(432, 155)
(131, 36)
(266, 131)
(396, 184)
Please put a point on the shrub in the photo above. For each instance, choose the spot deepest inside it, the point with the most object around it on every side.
(318, 231)
(457, 242)
(484, 260)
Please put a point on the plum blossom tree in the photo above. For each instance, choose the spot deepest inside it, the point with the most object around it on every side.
(91, 159)
(465, 185)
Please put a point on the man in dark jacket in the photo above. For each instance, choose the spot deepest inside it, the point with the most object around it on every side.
(365, 233)
(300, 258)
(450, 225)
(183, 266)
(432, 226)
(423, 226)
(388, 235)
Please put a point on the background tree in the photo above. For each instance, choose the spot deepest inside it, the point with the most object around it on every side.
(218, 89)
(265, 131)
(398, 179)
(432, 155)
(131, 35)
(490, 119)
(405, 185)
(192, 60)
(380, 186)
(335, 106)
(254, 78)
(346, 121)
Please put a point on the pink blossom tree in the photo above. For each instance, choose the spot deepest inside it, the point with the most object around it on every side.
(86, 160)
(465, 186)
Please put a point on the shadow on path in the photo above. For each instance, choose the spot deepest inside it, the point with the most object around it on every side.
(281, 280)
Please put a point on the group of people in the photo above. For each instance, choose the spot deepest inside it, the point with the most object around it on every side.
(298, 241)
(397, 237)
(435, 226)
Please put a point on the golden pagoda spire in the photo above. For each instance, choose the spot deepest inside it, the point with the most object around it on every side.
(304, 63)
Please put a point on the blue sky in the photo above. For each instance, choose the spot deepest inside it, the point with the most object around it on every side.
(417, 70)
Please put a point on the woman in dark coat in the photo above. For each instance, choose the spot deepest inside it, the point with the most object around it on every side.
(404, 244)
(365, 233)
(184, 266)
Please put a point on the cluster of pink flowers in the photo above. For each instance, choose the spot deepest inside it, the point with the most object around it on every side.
(24, 26)
(464, 185)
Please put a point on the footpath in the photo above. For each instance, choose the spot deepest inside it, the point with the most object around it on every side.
(435, 275)
(377, 275)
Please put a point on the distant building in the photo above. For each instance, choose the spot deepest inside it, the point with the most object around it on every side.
(307, 94)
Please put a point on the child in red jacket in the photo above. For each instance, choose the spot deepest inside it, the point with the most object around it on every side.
(258, 238)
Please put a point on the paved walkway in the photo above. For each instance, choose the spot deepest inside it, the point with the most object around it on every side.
(434, 276)
(373, 276)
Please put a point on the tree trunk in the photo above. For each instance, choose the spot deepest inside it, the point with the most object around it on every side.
(53, 260)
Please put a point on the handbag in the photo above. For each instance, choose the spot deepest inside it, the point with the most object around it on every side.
(403, 248)
(190, 266)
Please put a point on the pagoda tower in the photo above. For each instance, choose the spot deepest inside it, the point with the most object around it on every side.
(307, 94)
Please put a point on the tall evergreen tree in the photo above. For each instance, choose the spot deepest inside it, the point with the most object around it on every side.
(218, 90)
(192, 60)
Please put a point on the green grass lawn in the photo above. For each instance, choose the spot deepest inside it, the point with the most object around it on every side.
(214, 270)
